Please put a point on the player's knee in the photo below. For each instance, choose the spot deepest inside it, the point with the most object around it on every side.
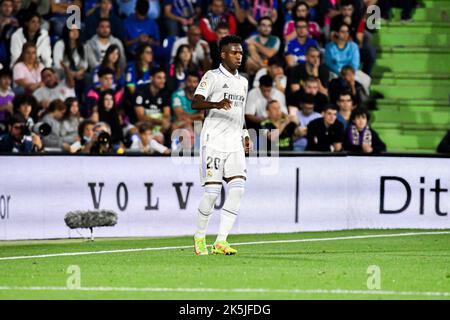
(236, 189)
(212, 192)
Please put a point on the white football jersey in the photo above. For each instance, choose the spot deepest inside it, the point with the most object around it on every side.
(222, 129)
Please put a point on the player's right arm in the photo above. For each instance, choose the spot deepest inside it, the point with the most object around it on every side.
(203, 91)
(199, 103)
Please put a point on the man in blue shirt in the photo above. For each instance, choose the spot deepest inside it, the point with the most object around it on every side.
(139, 28)
(295, 51)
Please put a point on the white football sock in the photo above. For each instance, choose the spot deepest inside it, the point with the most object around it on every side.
(212, 191)
(230, 208)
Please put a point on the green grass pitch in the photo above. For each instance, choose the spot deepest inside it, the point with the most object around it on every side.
(410, 267)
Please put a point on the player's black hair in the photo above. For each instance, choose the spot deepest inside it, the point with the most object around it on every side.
(359, 112)
(266, 81)
(229, 40)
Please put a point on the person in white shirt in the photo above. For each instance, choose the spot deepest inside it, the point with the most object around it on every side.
(199, 47)
(223, 93)
(52, 88)
(32, 32)
(257, 110)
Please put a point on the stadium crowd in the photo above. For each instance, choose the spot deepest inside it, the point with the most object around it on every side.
(124, 81)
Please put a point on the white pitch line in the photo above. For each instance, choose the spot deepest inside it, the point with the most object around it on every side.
(81, 253)
(230, 290)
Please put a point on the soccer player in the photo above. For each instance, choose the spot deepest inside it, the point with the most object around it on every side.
(223, 93)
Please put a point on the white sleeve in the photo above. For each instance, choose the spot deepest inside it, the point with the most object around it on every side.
(155, 145)
(45, 50)
(281, 98)
(206, 85)
(16, 46)
(58, 54)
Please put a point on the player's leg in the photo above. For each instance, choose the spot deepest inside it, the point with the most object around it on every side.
(211, 176)
(235, 176)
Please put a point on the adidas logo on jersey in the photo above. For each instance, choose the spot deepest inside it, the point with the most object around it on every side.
(225, 86)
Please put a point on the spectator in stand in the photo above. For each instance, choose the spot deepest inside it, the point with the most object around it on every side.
(357, 32)
(104, 11)
(52, 89)
(342, 51)
(71, 121)
(261, 46)
(238, 8)
(300, 10)
(214, 16)
(311, 68)
(326, 133)
(256, 111)
(283, 138)
(181, 66)
(152, 104)
(180, 13)
(181, 105)
(346, 106)
(31, 31)
(311, 87)
(96, 46)
(347, 82)
(8, 24)
(360, 136)
(6, 99)
(53, 117)
(305, 115)
(406, 5)
(27, 106)
(99, 144)
(70, 58)
(27, 70)
(262, 8)
(106, 79)
(444, 145)
(144, 141)
(111, 60)
(222, 30)
(199, 48)
(275, 71)
(138, 72)
(326, 10)
(140, 29)
(85, 134)
(107, 112)
(127, 7)
(295, 51)
(15, 141)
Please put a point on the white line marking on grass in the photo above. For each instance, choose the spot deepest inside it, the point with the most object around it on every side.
(82, 253)
(231, 290)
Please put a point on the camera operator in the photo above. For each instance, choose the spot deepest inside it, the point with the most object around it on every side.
(101, 140)
(15, 141)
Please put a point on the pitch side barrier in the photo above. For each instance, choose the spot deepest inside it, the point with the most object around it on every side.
(158, 196)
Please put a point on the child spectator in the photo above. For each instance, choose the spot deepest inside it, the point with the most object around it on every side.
(360, 137)
(144, 142)
(6, 98)
(54, 141)
(85, 134)
(71, 121)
